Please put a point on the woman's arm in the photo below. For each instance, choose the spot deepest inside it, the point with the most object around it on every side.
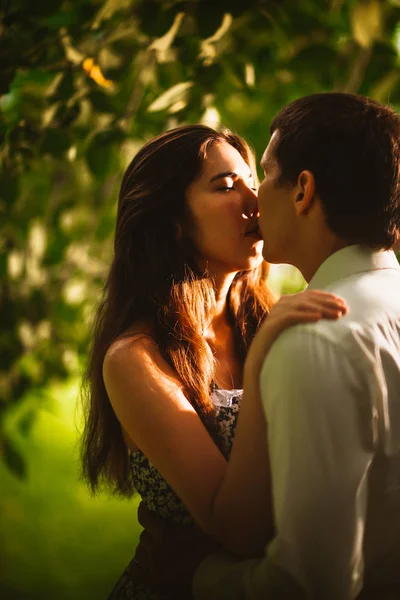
(150, 404)
(229, 503)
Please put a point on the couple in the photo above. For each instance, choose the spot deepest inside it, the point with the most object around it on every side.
(298, 496)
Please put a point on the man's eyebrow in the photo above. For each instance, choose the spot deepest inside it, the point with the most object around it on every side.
(230, 174)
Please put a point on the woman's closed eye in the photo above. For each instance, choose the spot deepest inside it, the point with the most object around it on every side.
(226, 188)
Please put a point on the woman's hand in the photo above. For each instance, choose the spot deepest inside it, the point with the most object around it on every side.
(291, 309)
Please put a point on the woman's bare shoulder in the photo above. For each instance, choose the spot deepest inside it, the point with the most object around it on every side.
(136, 351)
(138, 337)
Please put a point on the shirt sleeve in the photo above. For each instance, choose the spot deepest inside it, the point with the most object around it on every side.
(310, 391)
(225, 577)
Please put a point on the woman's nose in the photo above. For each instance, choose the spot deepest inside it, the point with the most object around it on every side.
(250, 200)
(252, 204)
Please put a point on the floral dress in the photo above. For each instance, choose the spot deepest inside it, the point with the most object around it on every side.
(158, 497)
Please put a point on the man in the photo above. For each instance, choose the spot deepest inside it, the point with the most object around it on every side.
(330, 205)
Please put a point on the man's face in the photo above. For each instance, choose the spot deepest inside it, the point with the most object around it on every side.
(277, 215)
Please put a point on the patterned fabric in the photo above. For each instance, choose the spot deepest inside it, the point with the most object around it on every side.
(162, 500)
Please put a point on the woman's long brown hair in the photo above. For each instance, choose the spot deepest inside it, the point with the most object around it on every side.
(154, 280)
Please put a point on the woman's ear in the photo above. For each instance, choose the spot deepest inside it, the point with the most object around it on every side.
(305, 193)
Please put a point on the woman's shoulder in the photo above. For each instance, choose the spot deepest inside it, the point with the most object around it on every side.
(135, 351)
(139, 338)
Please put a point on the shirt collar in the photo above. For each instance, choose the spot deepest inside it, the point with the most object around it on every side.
(349, 261)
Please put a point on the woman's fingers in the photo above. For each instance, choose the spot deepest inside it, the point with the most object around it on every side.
(329, 309)
(329, 299)
(310, 301)
(316, 305)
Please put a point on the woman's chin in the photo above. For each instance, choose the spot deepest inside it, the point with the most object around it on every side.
(253, 261)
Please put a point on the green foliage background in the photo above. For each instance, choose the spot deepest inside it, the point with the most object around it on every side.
(83, 84)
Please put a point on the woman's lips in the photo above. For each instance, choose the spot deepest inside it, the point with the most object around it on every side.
(255, 232)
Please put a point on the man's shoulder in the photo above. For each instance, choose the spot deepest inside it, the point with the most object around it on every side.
(373, 299)
(370, 294)
(299, 337)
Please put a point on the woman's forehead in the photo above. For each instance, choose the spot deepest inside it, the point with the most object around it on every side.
(222, 157)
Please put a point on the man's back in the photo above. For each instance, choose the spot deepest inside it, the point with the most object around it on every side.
(371, 334)
(375, 298)
(332, 399)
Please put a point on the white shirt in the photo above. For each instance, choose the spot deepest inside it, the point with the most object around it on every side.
(331, 395)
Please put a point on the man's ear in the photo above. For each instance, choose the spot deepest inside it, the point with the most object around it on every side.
(305, 193)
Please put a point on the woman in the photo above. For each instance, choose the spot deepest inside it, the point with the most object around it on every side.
(185, 295)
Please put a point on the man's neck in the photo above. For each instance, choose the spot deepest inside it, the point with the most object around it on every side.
(314, 255)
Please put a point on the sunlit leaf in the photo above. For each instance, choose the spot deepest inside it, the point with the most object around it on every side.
(396, 37)
(366, 21)
(208, 50)
(211, 117)
(162, 45)
(71, 53)
(176, 93)
(75, 291)
(249, 74)
(108, 9)
(15, 264)
(37, 240)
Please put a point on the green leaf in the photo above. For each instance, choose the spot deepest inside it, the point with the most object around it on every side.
(67, 114)
(9, 188)
(56, 142)
(37, 9)
(102, 155)
(106, 227)
(6, 77)
(65, 87)
(101, 101)
(177, 93)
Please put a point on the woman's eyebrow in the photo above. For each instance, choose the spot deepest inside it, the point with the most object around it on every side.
(230, 174)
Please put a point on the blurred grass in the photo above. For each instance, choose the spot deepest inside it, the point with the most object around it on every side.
(57, 541)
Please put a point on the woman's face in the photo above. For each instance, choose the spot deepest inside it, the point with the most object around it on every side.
(224, 210)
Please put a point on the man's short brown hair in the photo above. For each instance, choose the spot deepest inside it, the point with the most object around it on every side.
(351, 145)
